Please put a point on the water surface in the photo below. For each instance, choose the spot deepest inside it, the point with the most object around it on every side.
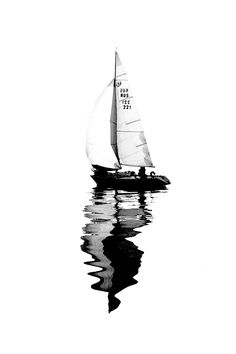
(115, 217)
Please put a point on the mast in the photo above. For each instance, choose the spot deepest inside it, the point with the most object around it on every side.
(113, 118)
(115, 70)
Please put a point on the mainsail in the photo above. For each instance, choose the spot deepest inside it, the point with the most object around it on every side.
(123, 142)
(131, 142)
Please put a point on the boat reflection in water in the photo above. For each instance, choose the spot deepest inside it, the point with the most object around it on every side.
(114, 217)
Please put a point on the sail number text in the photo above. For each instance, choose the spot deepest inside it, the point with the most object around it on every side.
(124, 94)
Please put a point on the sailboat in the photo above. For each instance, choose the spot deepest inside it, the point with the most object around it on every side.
(115, 138)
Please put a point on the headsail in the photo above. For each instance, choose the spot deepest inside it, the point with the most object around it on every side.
(98, 143)
(131, 142)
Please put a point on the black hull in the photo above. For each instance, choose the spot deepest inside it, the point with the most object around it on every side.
(131, 183)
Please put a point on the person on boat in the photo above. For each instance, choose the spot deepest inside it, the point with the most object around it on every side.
(142, 173)
(132, 174)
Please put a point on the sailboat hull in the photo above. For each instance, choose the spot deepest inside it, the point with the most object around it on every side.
(131, 183)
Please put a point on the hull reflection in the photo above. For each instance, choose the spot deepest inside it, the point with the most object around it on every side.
(114, 217)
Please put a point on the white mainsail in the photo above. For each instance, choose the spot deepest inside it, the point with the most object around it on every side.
(131, 142)
(115, 135)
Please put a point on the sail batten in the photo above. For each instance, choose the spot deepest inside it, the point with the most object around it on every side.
(133, 121)
(127, 98)
(120, 75)
(141, 144)
(130, 131)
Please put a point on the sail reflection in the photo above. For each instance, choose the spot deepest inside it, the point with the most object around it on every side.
(114, 217)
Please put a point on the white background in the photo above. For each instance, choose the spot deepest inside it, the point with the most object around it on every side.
(56, 58)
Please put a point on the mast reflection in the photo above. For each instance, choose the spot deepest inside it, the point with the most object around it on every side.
(113, 218)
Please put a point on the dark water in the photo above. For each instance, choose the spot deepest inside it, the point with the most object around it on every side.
(115, 218)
